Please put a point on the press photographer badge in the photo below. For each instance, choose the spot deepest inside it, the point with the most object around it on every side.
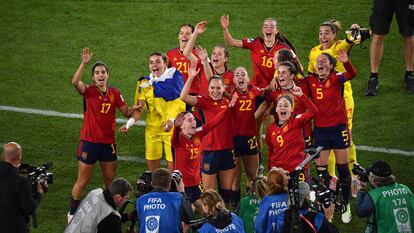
(402, 219)
(152, 224)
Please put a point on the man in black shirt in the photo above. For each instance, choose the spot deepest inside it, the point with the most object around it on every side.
(17, 201)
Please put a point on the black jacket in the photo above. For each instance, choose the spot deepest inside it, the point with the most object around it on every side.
(16, 200)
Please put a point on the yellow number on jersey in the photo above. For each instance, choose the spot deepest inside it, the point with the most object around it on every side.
(345, 136)
(280, 140)
(105, 107)
(252, 142)
(194, 153)
(246, 105)
(267, 62)
(182, 65)
(319, 93)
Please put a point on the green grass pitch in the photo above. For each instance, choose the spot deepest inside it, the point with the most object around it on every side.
(41, 41)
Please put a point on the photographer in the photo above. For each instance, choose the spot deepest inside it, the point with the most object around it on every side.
(17, 201)
(97, 212)
(311, 221)
(161, 210)
(389, 205)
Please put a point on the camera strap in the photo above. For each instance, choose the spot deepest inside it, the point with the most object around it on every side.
(308, 222)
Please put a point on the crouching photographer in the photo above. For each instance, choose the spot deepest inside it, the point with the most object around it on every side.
(17, 200)
(161, 210)
(389, 205)
(97, 212)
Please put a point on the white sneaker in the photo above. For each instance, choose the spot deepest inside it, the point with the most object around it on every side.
(69, 216)
(354, 187)
(347, 216)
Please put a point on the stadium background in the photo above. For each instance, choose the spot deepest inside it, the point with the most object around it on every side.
(41, 41)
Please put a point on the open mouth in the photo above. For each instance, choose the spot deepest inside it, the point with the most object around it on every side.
(184, 40)
(241, 83)
(268, 35)
(215, 60)
(283, 114)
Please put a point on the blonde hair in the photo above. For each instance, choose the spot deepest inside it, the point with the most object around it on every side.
(333, 24)
(260, 186)
(214, 202)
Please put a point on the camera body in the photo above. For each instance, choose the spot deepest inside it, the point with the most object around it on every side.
(37, 175)
(144, 182)
(361, 172)
(326, 195)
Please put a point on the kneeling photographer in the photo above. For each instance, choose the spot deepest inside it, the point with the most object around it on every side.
(161, 210)
(97, 212)
(311, 221)
(389, 205)
(17, 200)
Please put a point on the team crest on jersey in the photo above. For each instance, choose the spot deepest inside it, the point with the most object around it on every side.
(262, 51)
(111, 98)
(206, 167)
(226, 82)
(313, 85)
(197, 141)
(175, 59)
(250, 94)
(285, 129)
(215, 103)
(328, 83)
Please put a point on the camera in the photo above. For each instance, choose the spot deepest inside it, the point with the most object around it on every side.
(327, 195)
(361, 172)
(144, 182)
(37, 175)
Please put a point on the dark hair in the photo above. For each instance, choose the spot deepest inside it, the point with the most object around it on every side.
(291, 67)
(288, 55)
(161, 178)
(162, 55)
(120, 186)
(99, 63)
(186, 25)
(226, 51)
(287, 97)
(216, 77)
(333, 24)
(332, 60)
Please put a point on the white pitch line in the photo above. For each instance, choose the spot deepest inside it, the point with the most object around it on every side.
(58, 114)
(136, 159)
(384, 150)
(142, 123)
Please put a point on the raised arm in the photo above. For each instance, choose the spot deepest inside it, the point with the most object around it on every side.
(188, 50)
(86, 56)
(228, 38)
(350, 71)
(184, 96)
(203, 55)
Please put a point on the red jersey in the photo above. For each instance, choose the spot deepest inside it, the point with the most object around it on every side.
(98, 124)
(227, 77)
(298, 107)
(244, 123)
(262, 60)
(187, 151)
(328, 97)
(286, 147)
(221, 137)
(182, 64)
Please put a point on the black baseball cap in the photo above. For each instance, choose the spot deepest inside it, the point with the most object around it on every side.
(380, 168)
